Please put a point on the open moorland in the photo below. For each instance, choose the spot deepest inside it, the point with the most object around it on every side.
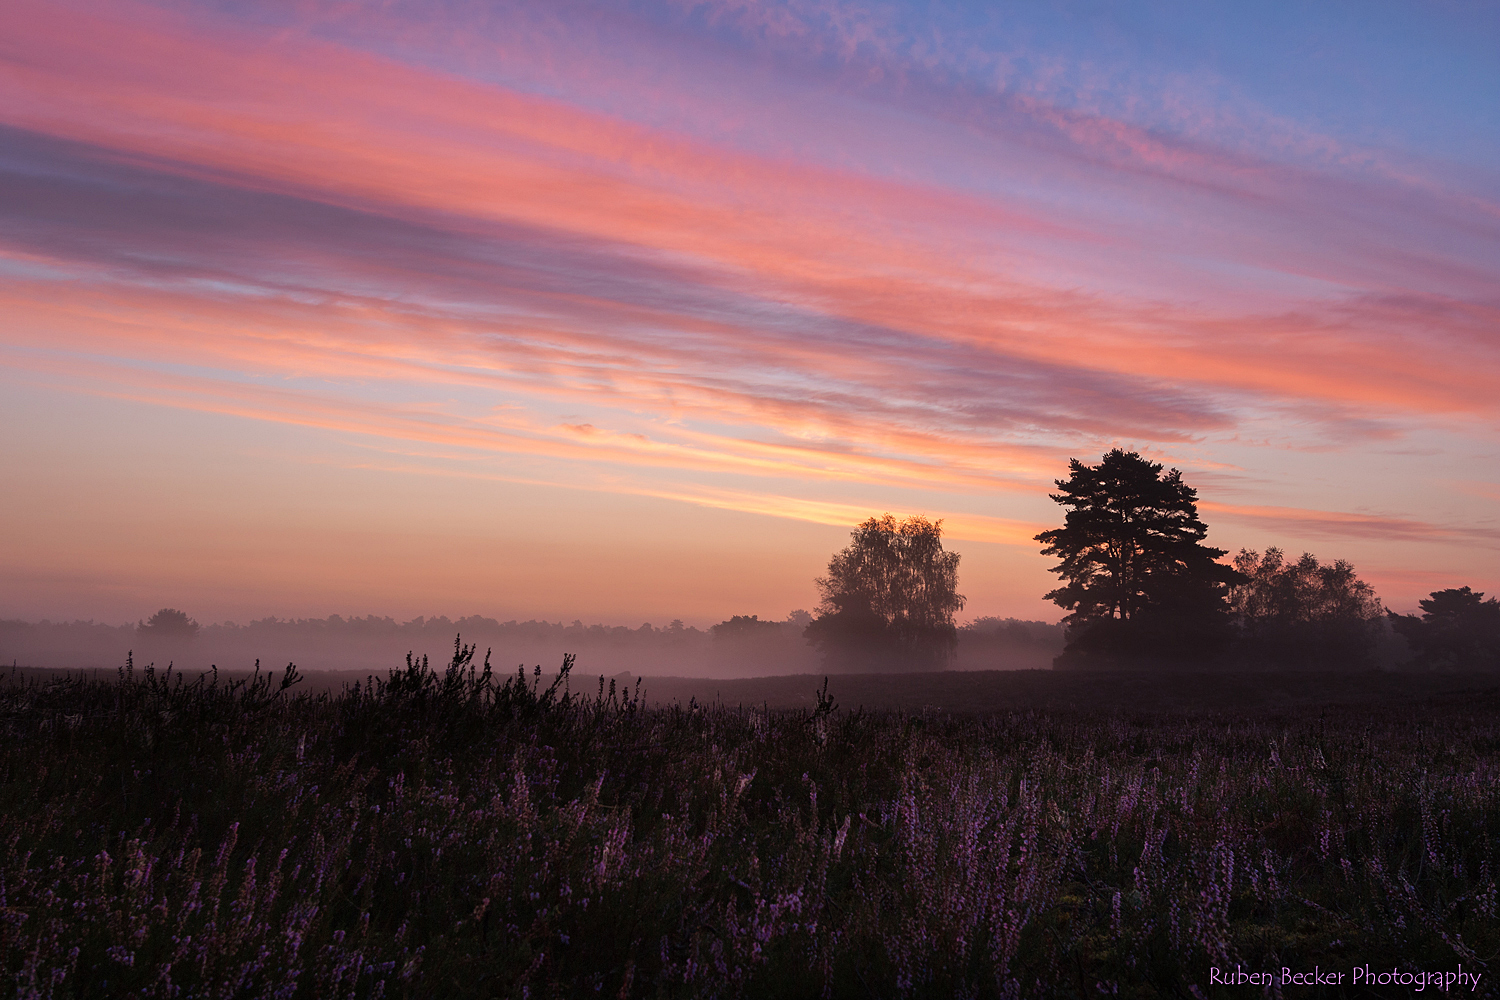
(973, 691)
(452, 833)
(1103, 691)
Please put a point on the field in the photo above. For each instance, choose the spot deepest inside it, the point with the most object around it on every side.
(449, 833)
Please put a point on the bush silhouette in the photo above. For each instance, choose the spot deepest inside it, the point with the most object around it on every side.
(168, 623)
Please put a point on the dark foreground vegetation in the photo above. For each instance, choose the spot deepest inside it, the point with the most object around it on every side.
(451, 834)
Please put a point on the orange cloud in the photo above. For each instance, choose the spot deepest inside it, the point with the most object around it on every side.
(966, 527)
(496, 433)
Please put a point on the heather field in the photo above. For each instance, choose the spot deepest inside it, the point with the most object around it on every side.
(450, 833)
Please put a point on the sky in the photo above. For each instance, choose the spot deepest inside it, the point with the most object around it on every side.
(630, 311)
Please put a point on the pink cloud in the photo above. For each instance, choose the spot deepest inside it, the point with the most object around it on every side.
(280, 209)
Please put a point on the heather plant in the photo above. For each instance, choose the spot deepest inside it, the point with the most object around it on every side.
(445, 832)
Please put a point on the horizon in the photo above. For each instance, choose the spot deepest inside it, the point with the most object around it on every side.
(788, 618)
(631, 313)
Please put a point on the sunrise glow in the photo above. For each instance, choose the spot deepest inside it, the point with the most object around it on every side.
(628, 312)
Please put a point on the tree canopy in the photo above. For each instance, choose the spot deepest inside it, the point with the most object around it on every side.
(743, 627)
(889, 598)
(1458, 629)
(168, 623)
(1304, 613)
(1140, 583)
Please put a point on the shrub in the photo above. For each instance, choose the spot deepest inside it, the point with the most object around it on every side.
(444, 833)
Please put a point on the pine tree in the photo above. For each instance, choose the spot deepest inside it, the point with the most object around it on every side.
(1458, 630)
(1140, 583)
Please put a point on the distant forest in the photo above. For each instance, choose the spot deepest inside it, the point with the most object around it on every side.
(742, 645)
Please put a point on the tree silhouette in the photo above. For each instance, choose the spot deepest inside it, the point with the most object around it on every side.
(1141, 585)
(889, 599)
(168, 623)
(1458, 629)
(743, 627)
(1303, 613)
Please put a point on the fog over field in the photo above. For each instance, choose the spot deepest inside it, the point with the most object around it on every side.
(379, 644)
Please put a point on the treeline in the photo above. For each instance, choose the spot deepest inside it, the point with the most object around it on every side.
(1143, 590)
(743, 645)
(1306, 614)
(350, 643)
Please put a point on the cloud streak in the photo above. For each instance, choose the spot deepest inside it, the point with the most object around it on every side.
(1343, 524)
